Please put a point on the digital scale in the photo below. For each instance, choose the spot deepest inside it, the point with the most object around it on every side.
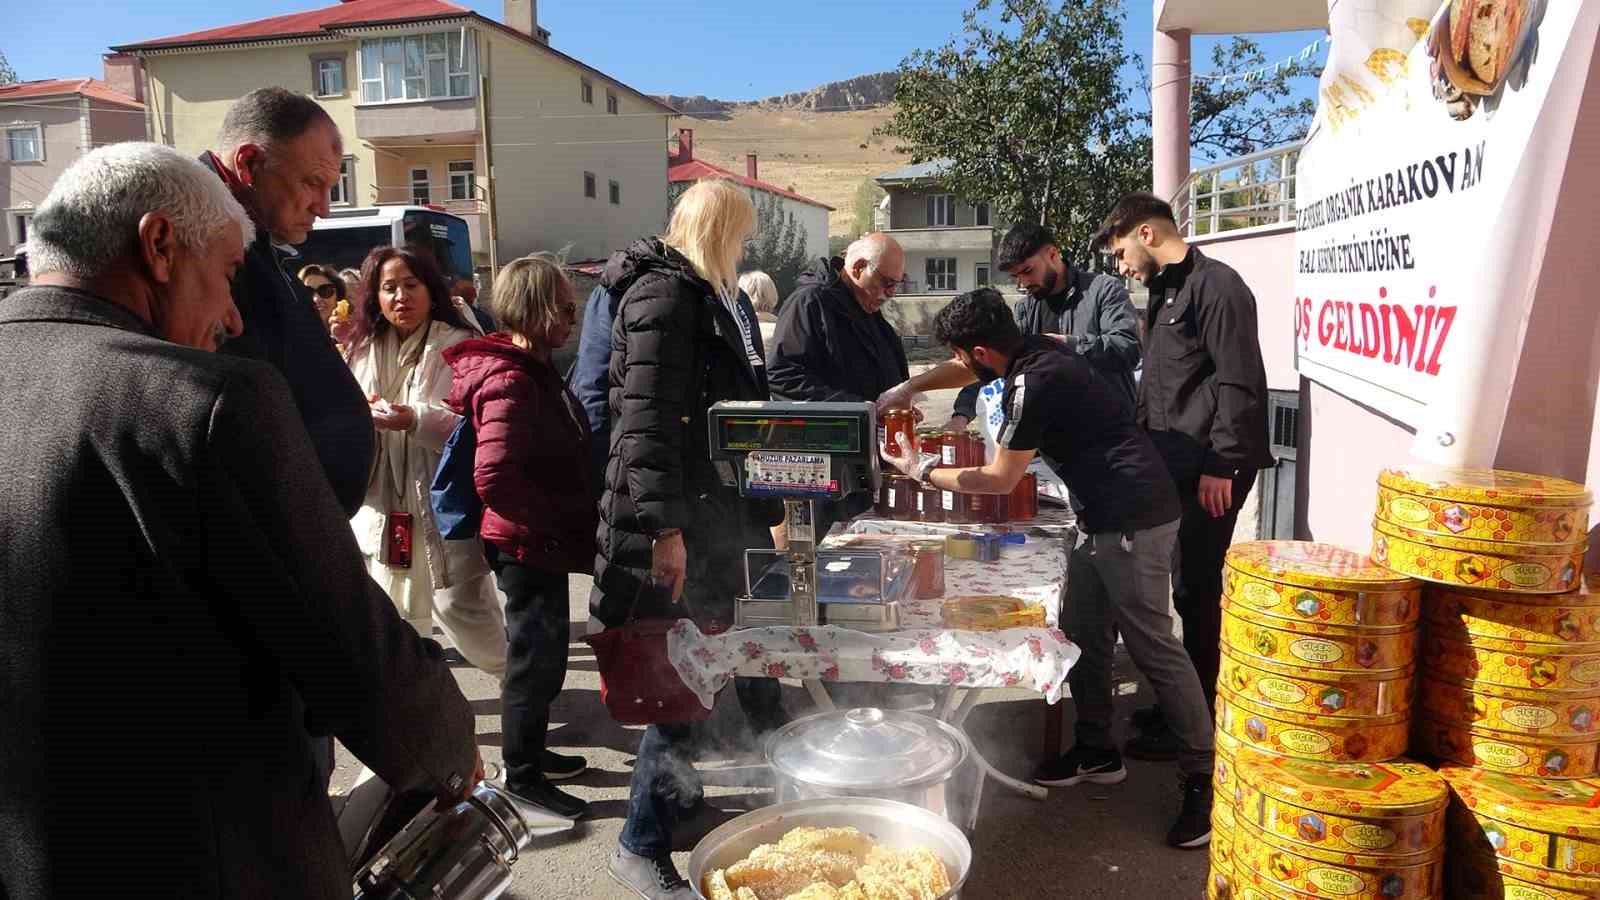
(799, 453)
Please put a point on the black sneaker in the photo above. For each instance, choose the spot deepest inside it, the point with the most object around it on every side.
(559, 766)
(1154, 745)
(651, 877)
(1081, 764)
(1193, 828)
(543, 793)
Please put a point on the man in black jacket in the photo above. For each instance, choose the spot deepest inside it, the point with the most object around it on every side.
(178, 586)
(833, 343)
(1089, 310)
(1203, 397)
(279, 152)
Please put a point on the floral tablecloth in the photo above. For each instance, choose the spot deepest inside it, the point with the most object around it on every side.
(921, 652)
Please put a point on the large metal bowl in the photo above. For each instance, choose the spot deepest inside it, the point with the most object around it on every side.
(888, 822)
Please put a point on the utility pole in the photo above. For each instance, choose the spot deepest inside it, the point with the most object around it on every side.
(488, 160)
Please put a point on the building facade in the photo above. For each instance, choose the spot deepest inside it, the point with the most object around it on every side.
(949, 241)
(684, 168)
(432, 98)
(44, 127)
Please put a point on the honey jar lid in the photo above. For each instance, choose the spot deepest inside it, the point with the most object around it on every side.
(1398, 787)
(1492, 487)
(1314, 565)
(1548, 805)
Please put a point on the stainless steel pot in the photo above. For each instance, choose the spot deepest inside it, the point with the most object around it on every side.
(869, 752)
(888, 822)
(463, 854)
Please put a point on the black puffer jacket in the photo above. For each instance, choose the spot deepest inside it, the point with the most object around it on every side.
(675, 350)
(828, 348)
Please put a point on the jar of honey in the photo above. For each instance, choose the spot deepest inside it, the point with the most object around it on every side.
(903, 494)
(884, 508)
(1022, 504)
(897, 426)
(980, 508)
(927, 573)
(932, 504)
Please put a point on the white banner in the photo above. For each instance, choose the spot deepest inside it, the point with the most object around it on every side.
(1425, 195)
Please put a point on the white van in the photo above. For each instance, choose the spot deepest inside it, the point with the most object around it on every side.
(346, 236)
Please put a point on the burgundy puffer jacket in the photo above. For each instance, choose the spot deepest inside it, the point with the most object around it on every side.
(532, 463)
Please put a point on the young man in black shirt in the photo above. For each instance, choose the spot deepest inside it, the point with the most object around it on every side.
(1059, 406)
(1203, 399)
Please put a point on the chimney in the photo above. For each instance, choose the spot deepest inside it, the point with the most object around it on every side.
(523, 15)
(125, 73)
(750, 165)
(685, 145)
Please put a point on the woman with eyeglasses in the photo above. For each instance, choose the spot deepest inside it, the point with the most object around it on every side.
(326, 288)
(531, 472)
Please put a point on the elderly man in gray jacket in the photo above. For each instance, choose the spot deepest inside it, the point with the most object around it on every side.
(179, 588)
(1091, 312)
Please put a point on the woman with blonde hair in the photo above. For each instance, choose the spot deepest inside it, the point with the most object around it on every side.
(670, 529)
(531, 472)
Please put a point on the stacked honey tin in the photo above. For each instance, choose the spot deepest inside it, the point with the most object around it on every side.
(1317, 671)
(1522, 838)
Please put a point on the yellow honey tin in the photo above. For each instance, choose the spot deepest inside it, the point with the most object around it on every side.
(1393, 808)
(1485, 504)
(1550, 824)
(1316, 692)
(1358, 877)
(1275, 644)
(1518, 712)
(1537, 756)
(1461, 615)
(1311, 737)
(1321, 567)
(1303, 604)
(1479, 877)
(1513, 664)
(1523, 568)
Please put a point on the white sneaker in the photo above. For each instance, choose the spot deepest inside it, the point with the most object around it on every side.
(652, 879)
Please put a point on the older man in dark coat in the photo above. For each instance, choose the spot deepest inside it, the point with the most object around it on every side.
(179, 588)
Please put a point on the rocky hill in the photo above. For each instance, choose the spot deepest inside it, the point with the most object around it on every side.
(861, 92)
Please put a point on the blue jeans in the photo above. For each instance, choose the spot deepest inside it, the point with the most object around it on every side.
(664, 780)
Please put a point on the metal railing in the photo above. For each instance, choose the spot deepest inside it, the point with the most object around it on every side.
(1246, 192)
(388, 195)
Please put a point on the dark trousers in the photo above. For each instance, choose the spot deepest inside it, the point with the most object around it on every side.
(665, 783)
(537, 635)
(1197, 576)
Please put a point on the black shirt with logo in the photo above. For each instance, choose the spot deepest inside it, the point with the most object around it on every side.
(1059, 404)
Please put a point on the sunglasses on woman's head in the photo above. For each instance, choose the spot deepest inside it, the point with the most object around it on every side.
(325, 291)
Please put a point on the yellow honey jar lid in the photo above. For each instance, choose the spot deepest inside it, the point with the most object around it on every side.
(1314, 565)
(1492, 487)
(1399, 787)
(1547, 805)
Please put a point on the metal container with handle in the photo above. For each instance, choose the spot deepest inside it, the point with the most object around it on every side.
(888, 822)
(870, 752)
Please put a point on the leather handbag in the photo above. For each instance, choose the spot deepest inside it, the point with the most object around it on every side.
(638, 684)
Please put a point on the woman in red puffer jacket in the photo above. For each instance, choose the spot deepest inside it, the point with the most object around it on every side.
(531, 471)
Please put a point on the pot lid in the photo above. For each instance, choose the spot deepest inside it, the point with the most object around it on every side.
(866, 748)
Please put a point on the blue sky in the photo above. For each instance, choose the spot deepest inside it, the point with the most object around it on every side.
(729, 49)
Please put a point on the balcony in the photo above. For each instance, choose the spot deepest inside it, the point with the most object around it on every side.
(925, 240)
(441, 121)
(1255, 192)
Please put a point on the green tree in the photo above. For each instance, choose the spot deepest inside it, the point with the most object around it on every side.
(1237, 117)
(779, 246)
(8, 75)
(863, 206)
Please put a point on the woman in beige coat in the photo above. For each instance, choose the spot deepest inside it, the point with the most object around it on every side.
(400, 367)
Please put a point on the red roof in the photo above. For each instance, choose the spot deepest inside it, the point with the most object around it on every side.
(93, 88)
(699, 169)
(315, 22)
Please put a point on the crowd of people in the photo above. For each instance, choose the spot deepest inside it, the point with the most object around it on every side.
(220, 483)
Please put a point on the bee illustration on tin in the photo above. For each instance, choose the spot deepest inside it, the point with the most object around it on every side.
(1555, 762)
(1283, 868)
(1569, 575)
(1476, 708)
(1265, 645)
(1307, 605)
(1392, 886)
(1471, 569)
(1367, 654)
(1454, 518)
(1332, 700)
(1495, 836)
(1380, 550)
(1255, 728)
(1220, 886)
(1311, 828)
(1241, 680)
(1568, 628)
(1541, 673)
(1581, 718)
(1563, 528)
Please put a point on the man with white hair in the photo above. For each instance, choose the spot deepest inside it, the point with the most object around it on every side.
(833, 342)
(178, 586)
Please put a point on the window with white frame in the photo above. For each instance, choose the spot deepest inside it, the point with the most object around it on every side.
(330, 76)
(432, 66)
(588, 185)
(461, 180)
(982, 279)
(611, 103)
(616, 193)
(344, 190)
(941, 274)
(421, 188)
(981, 216)
(941, 210)
(587, 90)
(25, 143)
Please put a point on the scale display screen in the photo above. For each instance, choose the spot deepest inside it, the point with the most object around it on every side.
(821, 434)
